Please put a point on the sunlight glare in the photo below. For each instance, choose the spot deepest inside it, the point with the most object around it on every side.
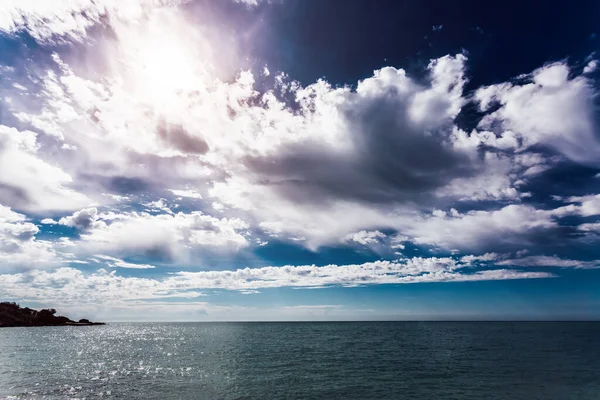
(169, 59)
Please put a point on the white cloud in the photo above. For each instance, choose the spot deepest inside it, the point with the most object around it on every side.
(472, 259)
(590, 67)
(27, 181)
(249, 291)
(249, 2)
(316, 164)
(145, 113)
(118, 263)
(128, 124)
(590, 227)
(354, 155)
(548, 261)
(68, 20)
(588, 205)
(505, 141)
(192, 194)
(84, 220)
(341, 161)
(18, 244)
(495, 180)
(477, 229)
(69, 285)
(365, 237)
(584, 206)
(8, 215)
(158, 205)
(279, 190)
(167, 236)
(551, 110)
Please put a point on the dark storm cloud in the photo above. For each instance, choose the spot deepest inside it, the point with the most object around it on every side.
(392, 158)
(126, 185)
(181, 139)
(82, 220)
(14, 196)
(563, 179)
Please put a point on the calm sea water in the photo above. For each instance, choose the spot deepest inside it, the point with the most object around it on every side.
(379, 360)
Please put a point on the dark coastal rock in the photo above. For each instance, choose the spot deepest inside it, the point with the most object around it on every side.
(11, 314)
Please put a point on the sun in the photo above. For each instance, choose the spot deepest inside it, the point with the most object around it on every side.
(164, 58)
(165, 67)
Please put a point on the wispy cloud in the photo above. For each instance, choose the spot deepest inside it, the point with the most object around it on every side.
(548, 261)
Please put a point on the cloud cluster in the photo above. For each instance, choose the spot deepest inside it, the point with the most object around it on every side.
(311, 164)
(585, 206)
(385, 141)
(549, 108)
(166, 237)
(147, 153)
(83, 220)
(118, 263)
(18, 244)
(365, 237)
(512, 224)
(27, 182)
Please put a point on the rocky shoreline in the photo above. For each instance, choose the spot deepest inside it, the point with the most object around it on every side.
(12, 315)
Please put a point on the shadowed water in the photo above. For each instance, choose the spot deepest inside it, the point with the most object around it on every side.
(380, 360)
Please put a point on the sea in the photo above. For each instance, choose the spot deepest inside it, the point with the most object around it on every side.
(303, 360)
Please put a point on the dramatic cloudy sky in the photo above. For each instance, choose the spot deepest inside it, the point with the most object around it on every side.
(223, 160)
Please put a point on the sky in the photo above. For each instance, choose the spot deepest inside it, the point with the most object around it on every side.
(227, 160)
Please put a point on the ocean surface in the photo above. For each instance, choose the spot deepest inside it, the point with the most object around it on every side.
(362, 360)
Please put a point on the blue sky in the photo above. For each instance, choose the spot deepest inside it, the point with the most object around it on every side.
(293, 160)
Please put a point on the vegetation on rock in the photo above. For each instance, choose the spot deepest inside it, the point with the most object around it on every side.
(11, 314)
